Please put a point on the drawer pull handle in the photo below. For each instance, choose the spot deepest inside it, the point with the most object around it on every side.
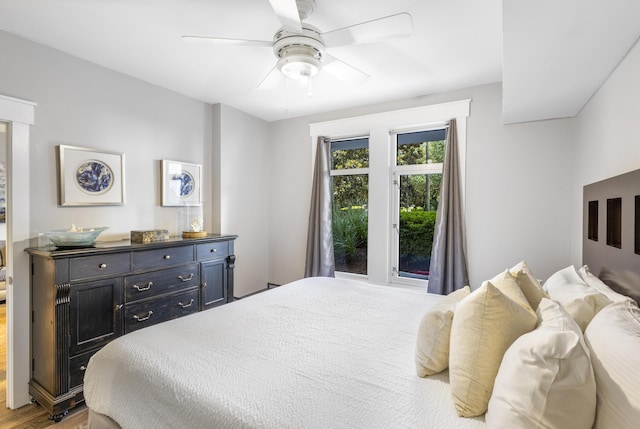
(191, 301)
(83, 368)
(167, 256)
(142, 288)
(143, 318)
(102, 266)
(117, 307)
(214, 250)
(186, 279)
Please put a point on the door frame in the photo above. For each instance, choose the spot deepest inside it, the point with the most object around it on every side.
(19, 114)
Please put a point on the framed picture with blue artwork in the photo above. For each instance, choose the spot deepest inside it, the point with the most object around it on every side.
(181, 183)
(90, 177)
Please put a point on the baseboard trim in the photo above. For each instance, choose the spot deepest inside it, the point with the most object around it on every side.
(269, 286)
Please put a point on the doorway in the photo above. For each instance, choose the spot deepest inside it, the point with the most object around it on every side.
(18, 117)
(3, 242)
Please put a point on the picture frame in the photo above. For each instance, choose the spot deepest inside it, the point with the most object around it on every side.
(181, 183)
(90, 177)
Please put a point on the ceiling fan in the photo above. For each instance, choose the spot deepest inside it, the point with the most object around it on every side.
(300, 48)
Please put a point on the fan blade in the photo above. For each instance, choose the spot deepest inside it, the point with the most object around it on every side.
(343, 71)
(228, 42)
(392, 26)
(272, 78)
(287, 12)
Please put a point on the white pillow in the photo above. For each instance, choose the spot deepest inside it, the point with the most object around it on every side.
(594, 282)
(531, 287)
(432, 343)
(545, 378)
(613, 337)
(485, 324)
(580, 301)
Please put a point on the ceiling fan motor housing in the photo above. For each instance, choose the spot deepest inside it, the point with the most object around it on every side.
(299, 55)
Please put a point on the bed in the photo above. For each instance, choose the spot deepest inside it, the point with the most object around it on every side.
(307, 354)
(335, 353)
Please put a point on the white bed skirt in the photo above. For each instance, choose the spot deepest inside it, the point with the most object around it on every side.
(316, 353)
(100, 421)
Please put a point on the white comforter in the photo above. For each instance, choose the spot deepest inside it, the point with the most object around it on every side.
(317, 353)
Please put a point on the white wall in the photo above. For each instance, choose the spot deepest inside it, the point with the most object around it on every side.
(243, 144)
(82, 104)
(607, 139)
(518, 192)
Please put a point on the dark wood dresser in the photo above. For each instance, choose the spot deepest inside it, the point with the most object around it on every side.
(82, 298)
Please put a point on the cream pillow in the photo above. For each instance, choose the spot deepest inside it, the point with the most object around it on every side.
(432, 345)
(580, 301)
(613, 337)
(545, 379)
(531, 287)
(508, 285)
(486, 323)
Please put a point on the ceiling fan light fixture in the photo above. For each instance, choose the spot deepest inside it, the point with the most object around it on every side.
(299, 55)
(299, 67)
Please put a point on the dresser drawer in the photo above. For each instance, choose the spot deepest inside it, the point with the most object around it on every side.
(212, 250)
(147, 313)
(158, 258)
(84, 267)
(77, 367)
(147, 285)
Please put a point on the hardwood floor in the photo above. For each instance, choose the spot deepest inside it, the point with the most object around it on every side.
(31, 416)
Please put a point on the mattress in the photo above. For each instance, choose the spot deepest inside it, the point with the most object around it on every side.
(316, 353)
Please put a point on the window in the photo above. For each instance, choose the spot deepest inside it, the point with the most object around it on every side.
(350, 181)
(381, 208)
(417, 177)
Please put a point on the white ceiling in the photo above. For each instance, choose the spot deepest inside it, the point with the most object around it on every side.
(455, 44)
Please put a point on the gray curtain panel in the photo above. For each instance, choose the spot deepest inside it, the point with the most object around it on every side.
(320, 261)
(448, 270)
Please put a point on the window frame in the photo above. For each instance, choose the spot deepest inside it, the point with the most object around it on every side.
(396, 172)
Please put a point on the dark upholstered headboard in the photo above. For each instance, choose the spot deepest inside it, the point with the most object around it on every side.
(611, 225)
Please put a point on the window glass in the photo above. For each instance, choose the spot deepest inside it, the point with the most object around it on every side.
(418, 203)
(350, 198)
(424, 147)
(417, 180)
(350, 154)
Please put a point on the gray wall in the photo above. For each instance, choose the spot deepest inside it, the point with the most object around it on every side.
(258, 174)
(517, 182)
(243, 144)
(82, 104)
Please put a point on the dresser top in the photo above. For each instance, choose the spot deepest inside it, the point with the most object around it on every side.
(100, 247)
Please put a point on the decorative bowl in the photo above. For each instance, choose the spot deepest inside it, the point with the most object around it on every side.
(66, 238)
